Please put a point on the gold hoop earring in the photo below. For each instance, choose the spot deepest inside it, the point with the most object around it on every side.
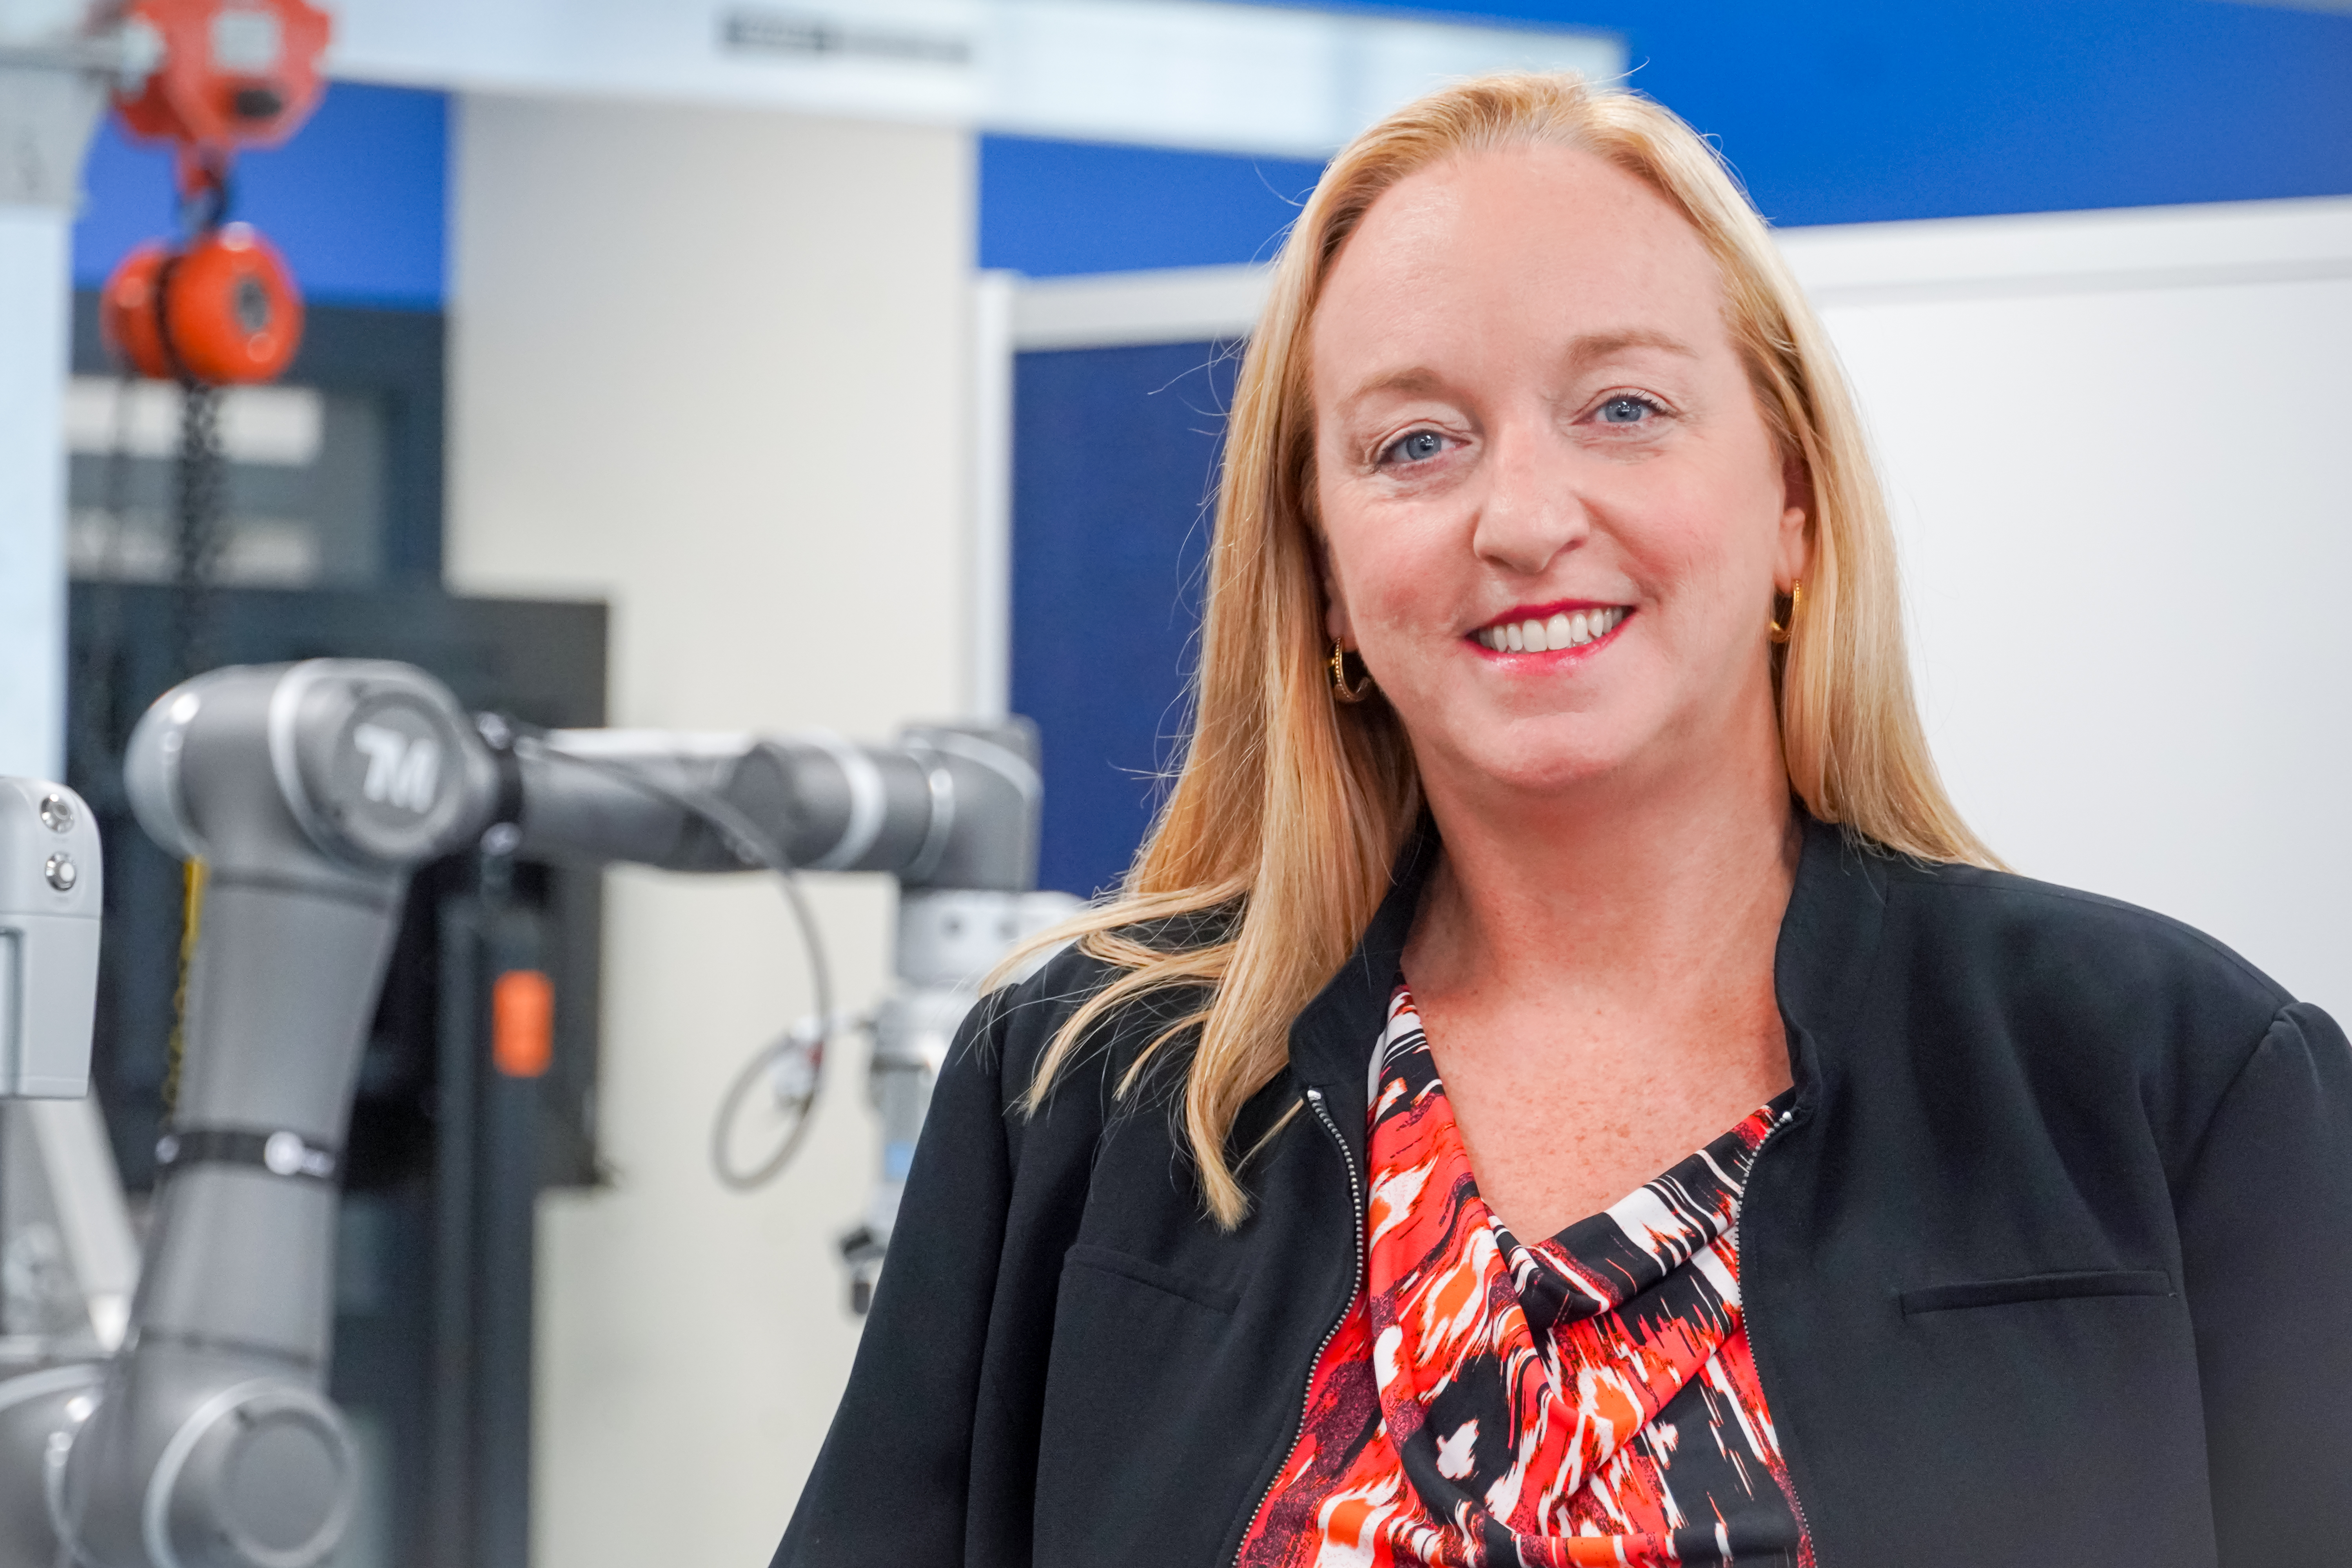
(1339, 686)
(1782, 632)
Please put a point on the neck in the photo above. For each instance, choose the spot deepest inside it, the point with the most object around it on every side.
(1675, 878)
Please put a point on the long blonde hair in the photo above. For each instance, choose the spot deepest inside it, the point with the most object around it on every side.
(1286, 812)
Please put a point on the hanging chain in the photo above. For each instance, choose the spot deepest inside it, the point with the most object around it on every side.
(200, 501)
(200, 479)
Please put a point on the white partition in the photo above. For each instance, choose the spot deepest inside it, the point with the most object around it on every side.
(2119, 447)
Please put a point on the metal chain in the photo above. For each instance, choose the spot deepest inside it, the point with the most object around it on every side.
(199, 499)
(199, 503)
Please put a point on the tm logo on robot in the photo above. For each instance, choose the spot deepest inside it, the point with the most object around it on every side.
(402, 770)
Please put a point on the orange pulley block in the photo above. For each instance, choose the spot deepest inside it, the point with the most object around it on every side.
(219, 306)
(220, 309)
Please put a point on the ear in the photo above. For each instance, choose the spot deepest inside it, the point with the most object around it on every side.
(1793, 553)
(1334, 604)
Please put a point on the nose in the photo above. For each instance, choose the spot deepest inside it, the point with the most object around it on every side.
(1529, 511)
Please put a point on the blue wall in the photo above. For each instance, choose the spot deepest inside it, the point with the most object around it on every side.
(358, 200)
(1114, 454)
(1048, 208)
(1833, 111)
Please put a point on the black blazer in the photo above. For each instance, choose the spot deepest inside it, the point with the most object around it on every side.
(2054, 1266)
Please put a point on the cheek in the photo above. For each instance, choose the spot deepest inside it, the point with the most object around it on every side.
(1382, 563)
(1706, 535)
(1402, 581)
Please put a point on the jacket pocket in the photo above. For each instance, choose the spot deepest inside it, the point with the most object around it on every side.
(1143, 1272)
(2036, 1287)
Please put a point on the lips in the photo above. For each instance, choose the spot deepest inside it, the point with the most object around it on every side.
(1537, 631)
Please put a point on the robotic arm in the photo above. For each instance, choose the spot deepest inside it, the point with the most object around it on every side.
(312, 792)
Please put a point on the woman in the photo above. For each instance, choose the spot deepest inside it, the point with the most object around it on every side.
(1557, 814)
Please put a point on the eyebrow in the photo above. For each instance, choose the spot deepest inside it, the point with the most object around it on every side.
(1587, 349)
(1594, 346)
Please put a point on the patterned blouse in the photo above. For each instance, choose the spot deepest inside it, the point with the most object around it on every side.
(1587, 1399)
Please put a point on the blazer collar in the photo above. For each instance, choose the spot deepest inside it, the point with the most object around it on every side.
(1828, 945)
(1331, 1042)
(1827, 950)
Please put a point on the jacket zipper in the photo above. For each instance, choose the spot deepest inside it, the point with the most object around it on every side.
(1747, 1312)
(1355, 1285)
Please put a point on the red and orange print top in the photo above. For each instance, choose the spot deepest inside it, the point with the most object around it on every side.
(1587, 1399)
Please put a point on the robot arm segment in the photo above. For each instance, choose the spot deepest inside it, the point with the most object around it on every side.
(310, 792)
(951, 811)
(822, 802)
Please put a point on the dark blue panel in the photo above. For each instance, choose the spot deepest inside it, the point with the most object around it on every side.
(1053, 207)
(1833, 111)
(1113, 461)
(358, 200)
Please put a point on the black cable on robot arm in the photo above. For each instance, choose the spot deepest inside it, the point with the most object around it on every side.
(757, 850)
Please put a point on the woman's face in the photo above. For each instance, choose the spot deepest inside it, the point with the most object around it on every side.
(1553, 517)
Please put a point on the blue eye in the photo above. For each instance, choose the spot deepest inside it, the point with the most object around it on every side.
(1418, 447)
(1626, 410)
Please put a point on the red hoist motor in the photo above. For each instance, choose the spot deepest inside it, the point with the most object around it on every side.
(218, 306)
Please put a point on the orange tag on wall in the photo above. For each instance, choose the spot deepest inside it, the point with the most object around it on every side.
(522, 1023)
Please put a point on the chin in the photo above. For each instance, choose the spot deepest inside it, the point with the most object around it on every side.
(1556, 757)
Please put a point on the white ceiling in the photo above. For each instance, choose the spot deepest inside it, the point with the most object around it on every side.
(1184, 73)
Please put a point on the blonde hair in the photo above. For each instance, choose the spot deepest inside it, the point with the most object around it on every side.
(1286, 814)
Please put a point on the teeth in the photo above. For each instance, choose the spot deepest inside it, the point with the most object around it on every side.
(1561, 631)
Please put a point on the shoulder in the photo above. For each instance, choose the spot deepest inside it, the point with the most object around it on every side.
(2033, 935)
(2091, 981)
(2076, 1011)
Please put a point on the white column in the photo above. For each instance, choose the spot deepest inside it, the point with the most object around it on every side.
(35, 301)
(758, 458)
(46, 113)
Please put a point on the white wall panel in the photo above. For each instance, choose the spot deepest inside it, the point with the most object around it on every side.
(2116, 448)
(708, 364)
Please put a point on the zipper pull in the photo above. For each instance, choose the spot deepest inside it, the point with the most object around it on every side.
(1315, 1095)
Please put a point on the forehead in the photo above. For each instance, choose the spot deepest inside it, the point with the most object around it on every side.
(1525, 246)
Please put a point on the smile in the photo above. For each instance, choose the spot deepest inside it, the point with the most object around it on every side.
(1561, 629)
